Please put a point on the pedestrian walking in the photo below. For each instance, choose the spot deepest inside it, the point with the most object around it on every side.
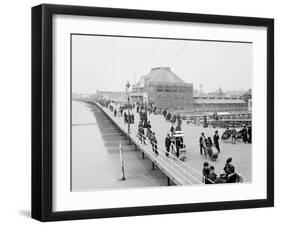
(233, 136)
(249, 134)
(167, 144)
(148, 133)
(148, 125)
(205, 172)
(212, 175)
(216, 141)
(201, 143)
(141, 135)
(205, 123)
(164, 113)
(153, 142)
(168, 117)
(244, 134)
(125, 117)
(172, 130)
(178, 127)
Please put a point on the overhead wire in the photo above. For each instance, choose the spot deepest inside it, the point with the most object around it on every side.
(178, 55)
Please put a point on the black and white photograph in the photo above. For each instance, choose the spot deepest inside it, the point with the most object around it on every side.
(154, 111)
(142, 112)
(139, 113)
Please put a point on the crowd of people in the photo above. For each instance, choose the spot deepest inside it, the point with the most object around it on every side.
(149, 108)
(174, 144)
(229, 175)
(126, 111)
(129, 118)
(173, 118)
(144, 124)
(209, 147)
(150, 135)
(244, 134)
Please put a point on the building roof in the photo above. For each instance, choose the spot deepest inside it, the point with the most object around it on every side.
(138, 84)
(163, 75)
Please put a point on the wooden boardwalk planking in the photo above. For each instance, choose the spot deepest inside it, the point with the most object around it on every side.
(177, 171)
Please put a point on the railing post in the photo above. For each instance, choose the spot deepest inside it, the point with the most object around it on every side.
(186, 175)
(121, 161)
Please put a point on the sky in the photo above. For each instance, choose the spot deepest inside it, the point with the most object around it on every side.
(107, 63)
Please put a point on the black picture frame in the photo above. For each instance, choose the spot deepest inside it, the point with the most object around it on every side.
(42, 107)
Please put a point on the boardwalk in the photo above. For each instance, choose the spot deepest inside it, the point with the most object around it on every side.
(179, 172)
(189, 172)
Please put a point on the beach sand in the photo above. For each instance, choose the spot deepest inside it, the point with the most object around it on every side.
(96, 158)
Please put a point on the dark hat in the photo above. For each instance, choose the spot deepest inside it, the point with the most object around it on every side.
(205, 164)
(228, 160)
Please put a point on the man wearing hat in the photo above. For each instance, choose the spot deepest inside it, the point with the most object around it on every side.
(201, 142)
(216, 141)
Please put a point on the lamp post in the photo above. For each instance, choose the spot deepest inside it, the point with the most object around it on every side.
(145, 107)
(129, 119)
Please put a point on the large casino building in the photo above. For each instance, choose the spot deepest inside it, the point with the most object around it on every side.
(165, 89)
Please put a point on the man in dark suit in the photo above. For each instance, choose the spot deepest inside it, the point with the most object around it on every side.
(244, 134)
(232, 177)
(172, 129)
(153, 141)
(212, 175)
(167, 144)
(216, 141)
(201, 142)
(206, 172)
(250, 134)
